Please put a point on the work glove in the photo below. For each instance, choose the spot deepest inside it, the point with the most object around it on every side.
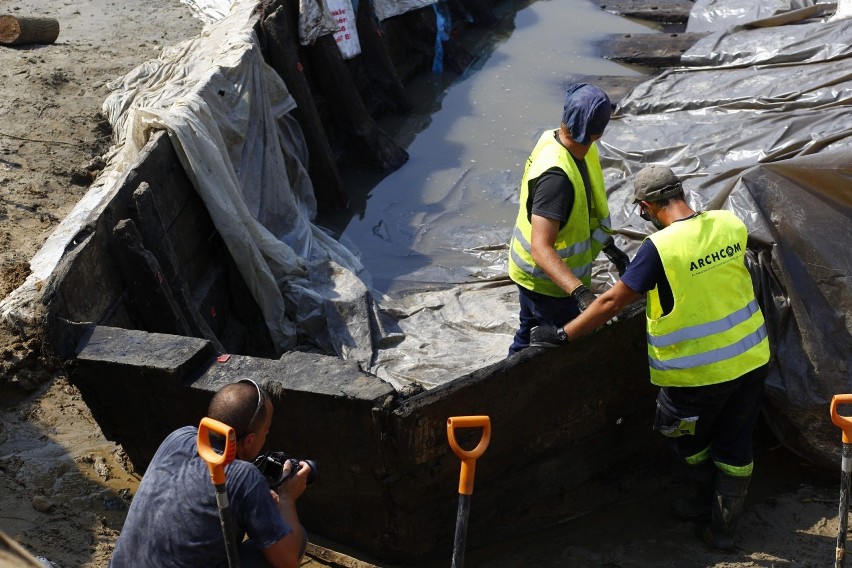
(548, 336)
(617, 256)
(583, 297)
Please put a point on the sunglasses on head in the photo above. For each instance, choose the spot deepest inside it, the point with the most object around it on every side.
(261, 402)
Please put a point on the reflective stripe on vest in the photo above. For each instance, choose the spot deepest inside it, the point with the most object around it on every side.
(581, 272)
(715, 331)
(751, 340)
(581, 239)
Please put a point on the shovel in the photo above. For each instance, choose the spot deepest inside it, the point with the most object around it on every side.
(216, 463)
(468, 469)
(845, 423)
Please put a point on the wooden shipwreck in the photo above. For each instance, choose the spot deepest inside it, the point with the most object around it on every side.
(168, 323)
(149, 313)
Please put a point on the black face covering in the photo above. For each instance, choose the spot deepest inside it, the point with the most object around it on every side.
(646, 215)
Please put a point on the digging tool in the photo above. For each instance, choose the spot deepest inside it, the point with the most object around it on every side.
(845, 424)
(468, 469)
(216, 463)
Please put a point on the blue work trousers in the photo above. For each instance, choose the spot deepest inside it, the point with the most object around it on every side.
(538, 309)
(724, 417)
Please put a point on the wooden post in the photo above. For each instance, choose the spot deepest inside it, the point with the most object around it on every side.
(377, 62)
(279, 32)
(360, 134)
(155, 305)
(16, 30)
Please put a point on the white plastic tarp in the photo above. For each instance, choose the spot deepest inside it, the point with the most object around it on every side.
(226, 113)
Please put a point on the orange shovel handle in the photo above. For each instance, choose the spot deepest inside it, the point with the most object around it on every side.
(843, 422)
(468, 457)
(216, 462)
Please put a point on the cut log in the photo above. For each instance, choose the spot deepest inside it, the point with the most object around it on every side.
(649, 50)
(17, 30)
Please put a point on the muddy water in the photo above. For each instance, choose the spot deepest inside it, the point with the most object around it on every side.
(445, 216)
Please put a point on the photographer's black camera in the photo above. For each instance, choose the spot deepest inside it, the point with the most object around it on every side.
(271, 465)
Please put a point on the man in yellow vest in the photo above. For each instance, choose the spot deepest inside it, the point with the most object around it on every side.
(708, 349)
(563, 219)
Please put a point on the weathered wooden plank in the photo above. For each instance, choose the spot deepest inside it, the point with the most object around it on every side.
(663, 11)
(334, 558)
(157, 241)
(156, 307)
(279, 31)
(649, 50)
(377, 62)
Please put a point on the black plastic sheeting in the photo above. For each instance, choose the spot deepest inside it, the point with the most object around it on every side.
(761, 124)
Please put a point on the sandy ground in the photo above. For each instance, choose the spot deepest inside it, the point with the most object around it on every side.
(64, 488)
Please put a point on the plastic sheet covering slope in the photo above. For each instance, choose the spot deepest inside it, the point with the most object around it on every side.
(765, 130)
(226, 113)
(315, 20)
(717, 15)
(817, 40)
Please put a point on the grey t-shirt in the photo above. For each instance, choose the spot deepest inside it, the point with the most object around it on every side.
(173, 520)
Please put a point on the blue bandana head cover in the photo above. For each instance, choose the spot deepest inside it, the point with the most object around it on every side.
(586, 111)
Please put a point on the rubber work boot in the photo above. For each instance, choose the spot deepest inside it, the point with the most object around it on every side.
(696, 506)
(727, 508)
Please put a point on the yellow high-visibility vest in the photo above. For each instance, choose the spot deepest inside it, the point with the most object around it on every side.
(584, 235)
(715, 331)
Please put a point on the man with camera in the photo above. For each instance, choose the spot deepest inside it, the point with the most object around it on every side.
(174, 518)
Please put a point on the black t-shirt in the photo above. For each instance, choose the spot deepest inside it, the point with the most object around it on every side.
(552, 195)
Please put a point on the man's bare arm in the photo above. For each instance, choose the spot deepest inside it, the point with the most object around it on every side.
(604, 308)
(543, 239)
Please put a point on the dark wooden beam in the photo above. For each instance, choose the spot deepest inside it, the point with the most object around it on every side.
(279, 31)
(615, 86)
(662, 11)
(649, 50)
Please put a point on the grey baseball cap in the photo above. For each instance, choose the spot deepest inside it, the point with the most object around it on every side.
(653, 183)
